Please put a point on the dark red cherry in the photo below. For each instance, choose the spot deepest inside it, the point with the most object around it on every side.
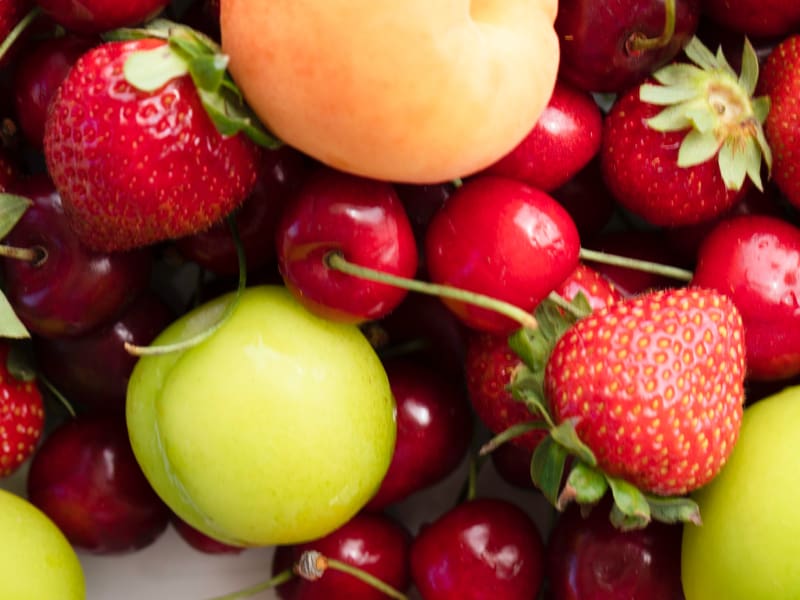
(434, 430)
(360, 218)
(373, 542)
(589, 559)
(92, 370)
(502, 238)
(602, 42)
(69, 290)
(483, 548)
(587, 200)
(282, 172)
(99, 16)
(513, 465)
(200, 541)
(754, 18)
(86, 479)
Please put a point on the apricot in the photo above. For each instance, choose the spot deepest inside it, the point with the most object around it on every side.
(410, 91)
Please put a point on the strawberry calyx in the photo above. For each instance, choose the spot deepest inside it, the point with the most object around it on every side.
(189, 52)
(717, 107)
(12, 207)
(563, 467)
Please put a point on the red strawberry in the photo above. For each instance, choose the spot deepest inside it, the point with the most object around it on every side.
(21, 417)
(136, 167)
(660, 139)
(655, 387)
(779, 80)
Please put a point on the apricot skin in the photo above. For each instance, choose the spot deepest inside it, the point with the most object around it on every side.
(407, 90)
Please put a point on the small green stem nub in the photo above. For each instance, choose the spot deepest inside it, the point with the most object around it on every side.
(636, 264)
(336, 261)
(638, 43)
(18, 29)
(275, 581)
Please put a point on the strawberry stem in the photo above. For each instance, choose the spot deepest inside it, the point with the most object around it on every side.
(18, 29)
(275, 581)
(512, 432)
(638, 42)
(636, 264)
(336, 261)
(312, 565)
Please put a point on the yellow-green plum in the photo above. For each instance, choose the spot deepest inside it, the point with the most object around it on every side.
(275, 430)
(36, 560)
(748, 547)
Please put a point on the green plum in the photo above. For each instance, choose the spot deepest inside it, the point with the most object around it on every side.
(748, 547)
(36, 560)
(275, 430)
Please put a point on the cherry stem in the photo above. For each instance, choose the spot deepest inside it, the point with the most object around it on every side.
(312, 565)
(637, 42)
(57, 394)
(275, 581)
(336, 261)
(35, 255)
(20, 27)
(636, 264)
(160, 349)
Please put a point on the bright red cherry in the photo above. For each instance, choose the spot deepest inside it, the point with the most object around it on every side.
(501, 238)
(482, 548)
(360, 218)
(434, 430)
(86, 479)
(372, 542)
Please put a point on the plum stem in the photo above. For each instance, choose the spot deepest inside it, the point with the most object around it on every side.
(636, 264)
(18, 29)
(313, 564)
(275, 581)
(638, 43)
(335, 260)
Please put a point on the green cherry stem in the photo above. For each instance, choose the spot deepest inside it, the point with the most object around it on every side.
(278, 579)
(312, 565)
(336, 261)
(638, 42)
(192, 341)
(636, 264)
(18, 29)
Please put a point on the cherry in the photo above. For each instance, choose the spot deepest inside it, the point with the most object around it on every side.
(482, 548)
(422, 202)
(200, 541)
(589, 559)
(587, 200)
(502, 238)
(611, 46)
(755, 259)
(373, 542)
(434, 430)
(92, 370)
(281, 173)
(86, 479)
(513, 465)
(563, 141)
(755, 18)
(98, 16)
(67, 290)
(359, 218)
(38, 74)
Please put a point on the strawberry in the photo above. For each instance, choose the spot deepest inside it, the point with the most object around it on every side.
(655, 387)
(779, 80)
(21, 417)
(660, 139)
(138, 165)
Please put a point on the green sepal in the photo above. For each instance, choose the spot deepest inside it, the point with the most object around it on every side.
(631, 509)
(20, 362)
(564, 433)
(547, 468)
(698, 147)
(674, 509)
(511, 432)
(157, 28)
(585, 485)
(748, 77)
(150, 70)
(12, 207)
(10, 325)
(700, 55)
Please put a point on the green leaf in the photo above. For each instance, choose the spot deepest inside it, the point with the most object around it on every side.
(732, 165)
(527, 388)
(547, 468)
(150, 70)
(697, 147)
(674, 509)
(564, 433)
(666, 95)
(522, 343)
(12, 207)
(586, 484)
(10, 325)
(700, 54)
(678, 74)
(748, 78)
(761, 106)
(672, 118)
(752, 162)
(230, 119)
(630, 504)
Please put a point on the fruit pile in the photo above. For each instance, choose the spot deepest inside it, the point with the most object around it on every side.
(276, 275)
